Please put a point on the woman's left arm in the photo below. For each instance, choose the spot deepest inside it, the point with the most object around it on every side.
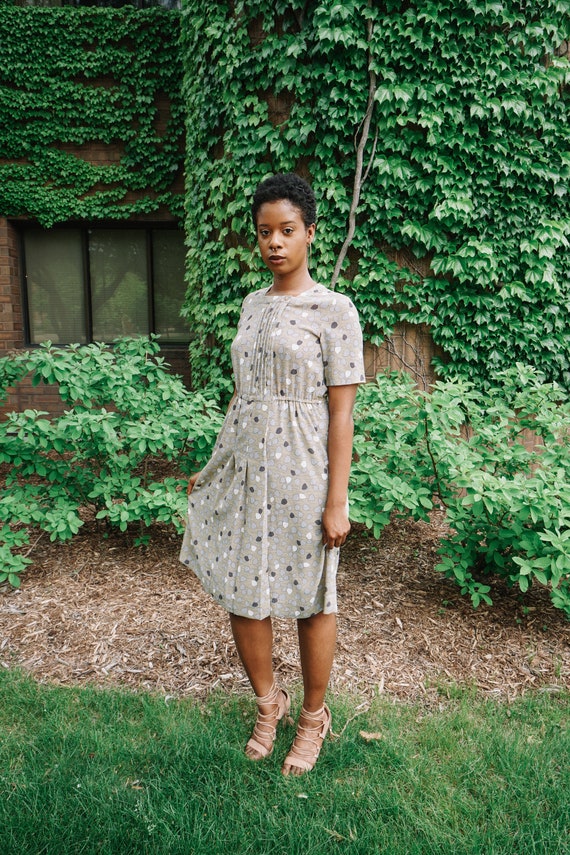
(341, 429)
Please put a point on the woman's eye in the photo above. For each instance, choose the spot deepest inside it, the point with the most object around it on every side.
(288, 231)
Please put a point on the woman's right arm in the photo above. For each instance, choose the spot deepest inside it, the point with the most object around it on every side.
(192, 480)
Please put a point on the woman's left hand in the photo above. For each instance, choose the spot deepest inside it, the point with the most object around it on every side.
(336, 525)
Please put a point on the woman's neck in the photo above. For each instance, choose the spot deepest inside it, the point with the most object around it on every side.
(292, 286)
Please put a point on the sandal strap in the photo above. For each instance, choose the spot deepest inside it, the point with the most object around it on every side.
(305, 756)
(265, 728)
(270, 697)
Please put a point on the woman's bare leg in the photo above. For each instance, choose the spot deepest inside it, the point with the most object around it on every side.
(317, 643)
(254, 643)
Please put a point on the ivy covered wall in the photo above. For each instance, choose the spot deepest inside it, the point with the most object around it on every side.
(91, 114)
(454, 119)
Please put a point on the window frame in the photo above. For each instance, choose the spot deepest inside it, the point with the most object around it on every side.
(139, 5)
(84, 228)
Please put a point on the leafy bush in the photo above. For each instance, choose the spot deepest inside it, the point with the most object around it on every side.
(498, 463)
(105, 456)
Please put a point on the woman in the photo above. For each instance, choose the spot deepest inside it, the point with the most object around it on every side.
(269, 511)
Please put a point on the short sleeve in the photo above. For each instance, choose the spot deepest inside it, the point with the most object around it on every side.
(341, 343)
(246, 304)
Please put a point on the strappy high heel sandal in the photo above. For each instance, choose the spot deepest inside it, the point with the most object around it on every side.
(308, 741)
(260, 745)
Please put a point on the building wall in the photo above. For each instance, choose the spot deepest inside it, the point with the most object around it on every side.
(410, 348)
(142, 47)
(43, 397)
(11, 315)
(12, 338)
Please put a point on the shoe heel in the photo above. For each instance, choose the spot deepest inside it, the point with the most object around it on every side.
(287, 720)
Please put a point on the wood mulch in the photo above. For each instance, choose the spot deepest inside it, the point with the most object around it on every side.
(99, 611)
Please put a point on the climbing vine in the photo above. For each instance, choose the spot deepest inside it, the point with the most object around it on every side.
(75, 78)
(467, 165)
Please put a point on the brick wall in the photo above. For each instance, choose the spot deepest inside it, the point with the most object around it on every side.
(11, 321)
(27, 397)
(11, 314)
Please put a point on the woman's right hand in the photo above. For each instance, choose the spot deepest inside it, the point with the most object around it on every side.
(192, 481)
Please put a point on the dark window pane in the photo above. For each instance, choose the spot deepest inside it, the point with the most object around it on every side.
(119, 287)
(168, 273)
(54, 276)
(112, 4)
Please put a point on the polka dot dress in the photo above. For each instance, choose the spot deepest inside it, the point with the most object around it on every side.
(253, 534)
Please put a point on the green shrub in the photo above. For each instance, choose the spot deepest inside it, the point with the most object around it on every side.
(126, 420)
(498, 463)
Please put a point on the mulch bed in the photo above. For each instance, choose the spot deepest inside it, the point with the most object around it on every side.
(99, 611)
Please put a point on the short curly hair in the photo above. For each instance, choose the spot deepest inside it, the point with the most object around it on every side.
(291, 187)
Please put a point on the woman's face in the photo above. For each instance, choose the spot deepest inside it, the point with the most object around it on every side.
(282, 237)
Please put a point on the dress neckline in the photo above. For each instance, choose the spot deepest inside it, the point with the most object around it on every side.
(310, 290)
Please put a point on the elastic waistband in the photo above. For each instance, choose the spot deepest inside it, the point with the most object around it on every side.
(274, 399)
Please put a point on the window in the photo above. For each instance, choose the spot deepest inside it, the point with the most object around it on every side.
(98, 284)
(113, 4)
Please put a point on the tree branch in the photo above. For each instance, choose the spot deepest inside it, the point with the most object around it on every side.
(358, 177)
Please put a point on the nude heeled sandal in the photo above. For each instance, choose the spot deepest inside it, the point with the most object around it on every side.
(308, 741)
(265, 730)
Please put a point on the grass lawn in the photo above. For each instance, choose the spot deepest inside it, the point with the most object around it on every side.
(97, 771)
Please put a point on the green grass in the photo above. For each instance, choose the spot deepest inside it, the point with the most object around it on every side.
(92, 771)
